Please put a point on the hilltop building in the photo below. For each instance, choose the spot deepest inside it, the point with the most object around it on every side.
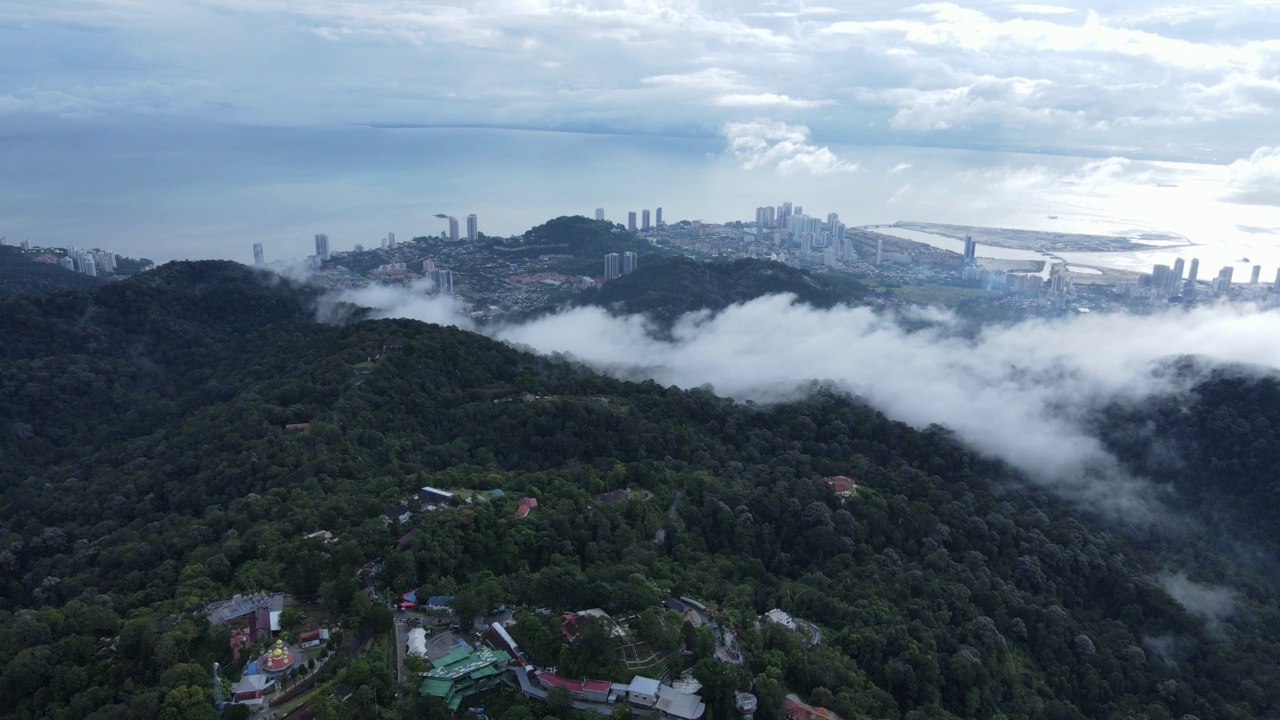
(322, 246)
(464, 672)
(473, 227)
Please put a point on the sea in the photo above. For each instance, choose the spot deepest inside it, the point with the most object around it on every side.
(169, 191)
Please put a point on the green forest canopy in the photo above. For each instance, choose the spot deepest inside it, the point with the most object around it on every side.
(145, 472)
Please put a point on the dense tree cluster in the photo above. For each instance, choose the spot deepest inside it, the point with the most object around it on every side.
(666, 287)
(146, 471)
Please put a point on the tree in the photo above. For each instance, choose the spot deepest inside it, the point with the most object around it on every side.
(720, 682)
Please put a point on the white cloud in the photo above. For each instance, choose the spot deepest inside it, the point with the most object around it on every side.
(1043, 9)
(768, 100)
(786, 148)
(1054, 73)
(1025, 393)
(1255, 180)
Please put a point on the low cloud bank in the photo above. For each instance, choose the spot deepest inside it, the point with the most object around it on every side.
(1023, 393)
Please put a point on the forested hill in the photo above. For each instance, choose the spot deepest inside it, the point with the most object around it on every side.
(586, 240)
(1218, 446)
(146, 471)
(20, 275)
(664, 288)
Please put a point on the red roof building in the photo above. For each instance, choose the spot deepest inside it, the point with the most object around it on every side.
(592, 690)
(843, 486)
(527, 504)
(796, 710)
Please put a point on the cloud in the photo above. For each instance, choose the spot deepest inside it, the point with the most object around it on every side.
(1025, 393)
(900, 168)
(786, 148)
(1255, 180)
(1043, 9)
(1208, 601)
(768, 100)
(985, 73)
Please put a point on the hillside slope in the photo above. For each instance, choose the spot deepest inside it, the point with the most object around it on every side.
(146, 471)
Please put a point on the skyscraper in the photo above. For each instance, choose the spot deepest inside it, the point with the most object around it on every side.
(1275, 287)
(644, 220)
(613, 264)
(657, 217)
(879, 250)
(1178, 267)
(1190, 288)
(391, 240)
(473, 227)
(970, 250)
(322, 246)
(257, 255)
(26, 244)
(1257, 274)
(599, 213)
(359, 248)
(628, 262)
(453, 228)
(88, 266)
(443, 280)
(631, 221)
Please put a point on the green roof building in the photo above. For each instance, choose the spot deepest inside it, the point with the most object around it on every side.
(463, 672)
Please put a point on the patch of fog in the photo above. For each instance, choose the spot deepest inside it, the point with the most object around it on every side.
(1208, 601)
(1023, 393)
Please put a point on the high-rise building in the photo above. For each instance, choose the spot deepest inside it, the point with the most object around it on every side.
(657, 217)
(612, 265)
(1275, 286)
(644, 219)
(68, 263)
(1222, 283)
(26, 244)
(443, 280)
(631, 221)
(391, 240)
(1190, 288)
(428, 265)
(453, 228)
(322, 246)
(760, 217)
(832, 219)
(359, 248)
(970, 250)
(258, 258)
(599, 213)
(628, 262)
(88, 266)
(1178, 267)
(473, 228)
(879, 250)
(384, 243)
(1257, 275)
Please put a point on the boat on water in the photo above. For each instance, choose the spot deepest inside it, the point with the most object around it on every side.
(1053, 217)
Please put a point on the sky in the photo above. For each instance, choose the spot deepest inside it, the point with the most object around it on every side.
(193, 128)
(1174, 81)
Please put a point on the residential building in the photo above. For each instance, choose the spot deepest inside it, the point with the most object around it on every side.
(628, 262)
(391, 240)
(257, 255)
(599, 213)
(322, 246)
(613, 263)
(631, 221)
(657, 218)
(644, 219)
(453, 228)
(473, 227)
